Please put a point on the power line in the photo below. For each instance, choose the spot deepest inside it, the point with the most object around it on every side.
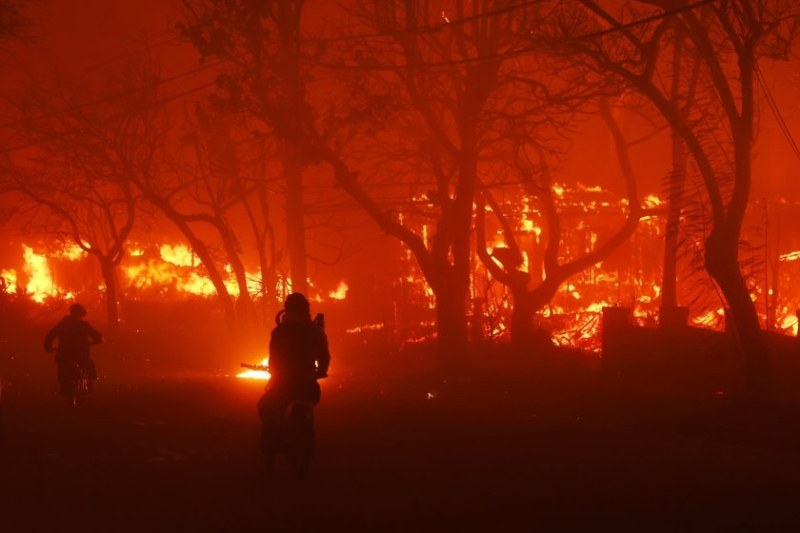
(520, 51)
(773, 105)
(82, 71)
(109, 119)
(111, 97)
(447, 24)
(511, 53)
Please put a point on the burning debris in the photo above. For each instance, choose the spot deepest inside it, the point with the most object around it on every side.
(572, 317)
(258, 372)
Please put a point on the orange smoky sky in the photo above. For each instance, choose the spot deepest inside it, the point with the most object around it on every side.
(73, 36)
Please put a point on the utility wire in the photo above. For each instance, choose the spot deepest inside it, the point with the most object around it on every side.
(109, 119)
(511, 53)
(519, 51)
(82, 71)
(773, 105)
(112, 97)
(431, 28)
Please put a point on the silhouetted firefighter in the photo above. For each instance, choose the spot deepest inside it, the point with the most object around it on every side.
(75, 335)
(298, 357)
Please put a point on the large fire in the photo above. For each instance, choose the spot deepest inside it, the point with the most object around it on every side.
(572, 317)
(175, 269)
(40, 281)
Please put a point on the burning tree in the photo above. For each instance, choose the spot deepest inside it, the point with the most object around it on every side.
(222, 176)
(729, 38)
(265, 44)
(77, 175)
(506, 263)
(465, 103)
(449, 83)
(259, 42)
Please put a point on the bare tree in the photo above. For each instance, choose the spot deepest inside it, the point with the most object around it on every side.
(429, 85)
(82, 162)
(505, 264)
(223, 178)
(728, 37)
(262, 43)
(683, 90)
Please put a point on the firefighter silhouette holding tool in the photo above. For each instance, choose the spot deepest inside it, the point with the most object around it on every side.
(298, 357)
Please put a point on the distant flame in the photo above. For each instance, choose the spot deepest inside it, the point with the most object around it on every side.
(572, 317)
(340, 293)
(789, 323)
(710, 318)
(256, 374)
(366, 327)
(178, 255)
(651, 201)
(9, 281)
(791, 256)
(40, 280)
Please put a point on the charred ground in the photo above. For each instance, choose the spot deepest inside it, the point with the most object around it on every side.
(515, 443)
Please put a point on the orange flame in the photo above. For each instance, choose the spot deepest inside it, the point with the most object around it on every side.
(178, 255)
(340, 293)
(256, 374)
(9, 280)
(40, 280)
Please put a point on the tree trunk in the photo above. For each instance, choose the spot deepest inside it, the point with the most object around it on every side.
(205, 257)
(669, 281)
(108, 271)
(244, 304)
(452, 328)
(452, 300)
(723, 266)
(522, 331)
(295, 217)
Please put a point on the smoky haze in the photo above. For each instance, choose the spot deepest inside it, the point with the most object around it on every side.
(550, 246)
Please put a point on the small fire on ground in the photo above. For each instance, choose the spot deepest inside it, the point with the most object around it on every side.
(252, 373)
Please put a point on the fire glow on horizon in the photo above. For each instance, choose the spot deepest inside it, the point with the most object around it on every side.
(173, 270)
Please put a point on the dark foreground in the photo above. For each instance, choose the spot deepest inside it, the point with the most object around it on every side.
(501, 452)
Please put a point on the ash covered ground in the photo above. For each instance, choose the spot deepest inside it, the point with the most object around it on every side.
(517, 444)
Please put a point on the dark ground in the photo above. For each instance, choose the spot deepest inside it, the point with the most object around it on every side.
(542, 448)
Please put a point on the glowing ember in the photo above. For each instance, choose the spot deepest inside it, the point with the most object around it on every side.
(365, 327)
(251, 373)
(791, 256)
(8, 283)
(651, 201)
(340, 293)
(709, 319)
(589, 188)
(789, 323)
